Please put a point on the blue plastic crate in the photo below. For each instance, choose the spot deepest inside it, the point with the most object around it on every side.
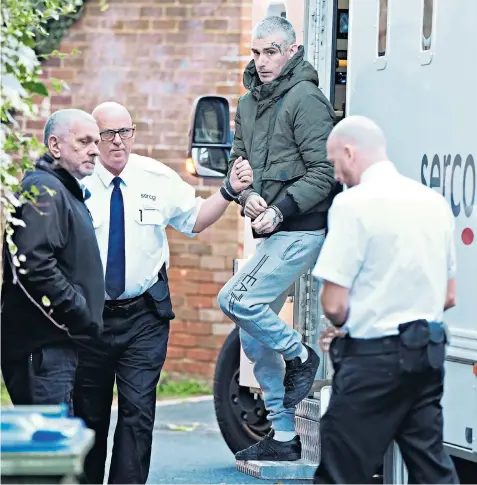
(43, 441)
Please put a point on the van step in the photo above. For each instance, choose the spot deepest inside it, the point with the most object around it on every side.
(309, 409)
(309, 432)
(307, 422)
(278, 470)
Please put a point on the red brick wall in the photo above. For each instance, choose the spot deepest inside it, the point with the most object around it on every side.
(156, 57)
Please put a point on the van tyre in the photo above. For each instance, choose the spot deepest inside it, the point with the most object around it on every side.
(242, 419)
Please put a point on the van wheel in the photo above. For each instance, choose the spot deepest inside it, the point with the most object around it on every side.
(241, 417)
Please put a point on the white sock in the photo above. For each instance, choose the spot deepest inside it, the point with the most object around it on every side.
(303, 354)
(284, 435)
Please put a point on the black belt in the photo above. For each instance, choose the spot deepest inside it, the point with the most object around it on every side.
(355, 346)
(126, 306)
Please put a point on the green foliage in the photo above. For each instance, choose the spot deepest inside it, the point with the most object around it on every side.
(22, 23)
(167, 388)
(56, 29)
(5, 398)
(178, 388)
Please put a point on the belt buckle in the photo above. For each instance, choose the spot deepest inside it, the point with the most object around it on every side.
(131, 307)
(114, 310)
(110, 310)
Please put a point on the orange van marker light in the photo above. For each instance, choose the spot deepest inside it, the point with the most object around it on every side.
(190, 166)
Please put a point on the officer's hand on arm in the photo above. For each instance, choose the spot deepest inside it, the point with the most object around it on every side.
(240, 177)
(268, 221)
(327, 336)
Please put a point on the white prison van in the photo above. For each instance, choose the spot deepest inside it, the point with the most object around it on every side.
(411, 65)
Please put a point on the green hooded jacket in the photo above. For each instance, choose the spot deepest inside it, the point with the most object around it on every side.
(285, 143)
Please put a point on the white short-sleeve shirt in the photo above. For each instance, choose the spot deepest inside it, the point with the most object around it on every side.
(391, 243)
(154, 197)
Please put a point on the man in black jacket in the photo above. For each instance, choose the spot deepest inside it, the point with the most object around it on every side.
(61, 294)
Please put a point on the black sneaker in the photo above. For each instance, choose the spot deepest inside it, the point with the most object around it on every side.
(269, 449)
(299, 378)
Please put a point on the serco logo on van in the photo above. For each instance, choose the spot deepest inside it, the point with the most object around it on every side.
(458, 174)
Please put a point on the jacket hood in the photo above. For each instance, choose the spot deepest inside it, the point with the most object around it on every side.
(295, 71)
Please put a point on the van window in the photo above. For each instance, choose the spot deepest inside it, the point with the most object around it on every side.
(277, 9)
(382, 27)
(427, 21)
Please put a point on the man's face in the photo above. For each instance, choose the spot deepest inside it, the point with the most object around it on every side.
(77, 148)
(117, 138)
(343, 158)
(270, 55)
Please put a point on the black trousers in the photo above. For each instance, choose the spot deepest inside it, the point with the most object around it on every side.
(46, 376)
(374, 403)
(132, 350)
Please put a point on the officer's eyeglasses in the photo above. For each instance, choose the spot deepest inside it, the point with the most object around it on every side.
(124, 133)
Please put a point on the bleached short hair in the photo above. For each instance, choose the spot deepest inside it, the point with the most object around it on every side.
(275, 25)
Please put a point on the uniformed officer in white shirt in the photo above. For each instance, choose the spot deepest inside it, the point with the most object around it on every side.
(388, 267)
(133, 199)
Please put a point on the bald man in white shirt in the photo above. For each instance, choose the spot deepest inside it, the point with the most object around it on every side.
(388, 267)
(133, 200)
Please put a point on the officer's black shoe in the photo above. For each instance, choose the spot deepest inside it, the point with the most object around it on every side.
(269, 449)
(299, 378)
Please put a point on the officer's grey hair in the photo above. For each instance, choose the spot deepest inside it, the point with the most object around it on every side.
(361, 132)
(60, 121)
(275, 25)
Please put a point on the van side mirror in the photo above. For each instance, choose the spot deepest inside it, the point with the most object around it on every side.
(210, 138)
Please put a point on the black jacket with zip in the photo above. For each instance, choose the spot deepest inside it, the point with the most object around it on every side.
(62, 263)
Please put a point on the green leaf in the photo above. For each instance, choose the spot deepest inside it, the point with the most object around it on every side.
(34, 190)
(50, 192)
(46, 301)
(57, 84)
(36, 88)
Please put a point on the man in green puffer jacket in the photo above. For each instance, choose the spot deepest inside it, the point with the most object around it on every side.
(282, 125)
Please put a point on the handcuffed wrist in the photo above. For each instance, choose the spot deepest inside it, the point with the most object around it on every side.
(228, 187)
(278, 212)
(224, 193)
(244, 196)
